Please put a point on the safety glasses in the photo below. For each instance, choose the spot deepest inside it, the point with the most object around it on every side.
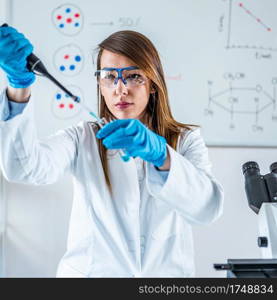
(130, 76)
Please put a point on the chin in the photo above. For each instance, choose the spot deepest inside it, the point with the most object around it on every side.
(124, 115)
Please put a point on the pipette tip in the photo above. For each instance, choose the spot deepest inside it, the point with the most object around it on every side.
(125, 158)
(95, 116)
(76, 99)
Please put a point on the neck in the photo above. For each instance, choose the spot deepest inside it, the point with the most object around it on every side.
(146, 120)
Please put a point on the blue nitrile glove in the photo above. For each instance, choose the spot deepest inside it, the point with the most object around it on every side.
(14, 49)
(136, 139)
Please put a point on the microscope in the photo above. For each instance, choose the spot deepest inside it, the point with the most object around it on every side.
(261, 192)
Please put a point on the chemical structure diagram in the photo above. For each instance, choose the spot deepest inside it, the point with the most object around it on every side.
(235, 100)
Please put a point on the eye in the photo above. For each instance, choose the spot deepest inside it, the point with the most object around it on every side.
(109, 76)
(137, 77)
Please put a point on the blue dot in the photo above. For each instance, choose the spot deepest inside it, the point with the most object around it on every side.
(72, 67)
(68, 10)
(78, 58)
(76, 24)
(58, 96)
(61, 25)
(62, 68)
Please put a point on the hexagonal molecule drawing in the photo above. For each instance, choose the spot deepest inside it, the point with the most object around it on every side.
(63, 107)
(69, 60)
(68, 19)
(243, 100)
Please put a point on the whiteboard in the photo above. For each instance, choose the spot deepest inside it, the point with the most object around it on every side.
(219, 58)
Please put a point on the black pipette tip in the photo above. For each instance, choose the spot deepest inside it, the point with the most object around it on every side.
(77, 99)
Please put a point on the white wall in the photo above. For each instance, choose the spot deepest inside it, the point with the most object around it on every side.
(36, 228)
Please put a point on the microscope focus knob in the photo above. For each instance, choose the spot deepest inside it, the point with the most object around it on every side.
(262, 241)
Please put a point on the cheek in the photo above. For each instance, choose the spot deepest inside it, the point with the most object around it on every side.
(108, 96)
(142, 103)
(142, 98)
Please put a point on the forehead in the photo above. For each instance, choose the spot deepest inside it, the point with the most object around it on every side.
(114, 60)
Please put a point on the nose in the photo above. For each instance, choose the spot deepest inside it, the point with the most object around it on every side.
(121, 88)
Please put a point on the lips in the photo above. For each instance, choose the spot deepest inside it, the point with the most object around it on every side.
(123, 104)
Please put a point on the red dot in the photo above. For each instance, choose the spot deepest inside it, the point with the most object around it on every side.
(71, 106)
(77, 15)
(69, 20)
(66, 56)
(59, 17)
(240, 4)
(268, 29)
(61, 105)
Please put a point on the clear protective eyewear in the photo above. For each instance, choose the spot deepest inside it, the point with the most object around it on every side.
(130, 76)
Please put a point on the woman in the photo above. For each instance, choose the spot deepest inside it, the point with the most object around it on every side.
(128, 218)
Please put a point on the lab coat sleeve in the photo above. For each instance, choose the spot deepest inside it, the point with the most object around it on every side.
(9, 109)
(26, 159)
(189, 188)
(15, 109)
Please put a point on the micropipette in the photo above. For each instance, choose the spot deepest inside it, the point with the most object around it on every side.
(34, 64)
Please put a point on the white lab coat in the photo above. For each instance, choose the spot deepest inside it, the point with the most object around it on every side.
(144, 228)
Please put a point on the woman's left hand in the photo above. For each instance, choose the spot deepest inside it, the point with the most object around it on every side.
(136, 139)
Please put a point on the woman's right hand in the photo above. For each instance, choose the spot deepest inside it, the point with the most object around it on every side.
(14, 50)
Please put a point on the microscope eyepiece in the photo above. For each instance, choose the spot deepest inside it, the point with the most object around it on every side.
(273, 167)
(251, 168)
(259, 188)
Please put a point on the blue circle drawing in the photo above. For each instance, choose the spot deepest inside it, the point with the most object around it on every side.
(61, 25)
(58, 96)
(68, 10)
(72, 67)
(76, 24)
(62, 68)
(78, 58)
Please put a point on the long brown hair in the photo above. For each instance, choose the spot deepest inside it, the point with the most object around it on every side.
(139, 49)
